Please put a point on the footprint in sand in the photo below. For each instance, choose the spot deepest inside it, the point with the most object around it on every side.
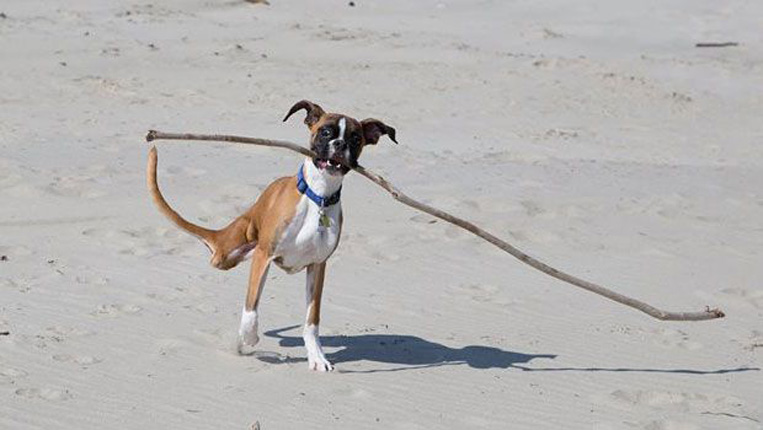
(385, 256)
(114, 310)
(532, 208)
(43, 339)
(660, 402)
(81, 186)
(163, 297)
(82, 360)
(46, 393)
(751, 342)
(656, 399)
(68, 332)
(173, 347)
(195, 291)
(85, 278)
(19, 285)
(485, 293)
(673, 338)
(106, 86)
(669, 424)
(652, 401)
(9, 375)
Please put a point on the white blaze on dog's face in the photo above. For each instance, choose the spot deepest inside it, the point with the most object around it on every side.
(339, 143)
(338, 140)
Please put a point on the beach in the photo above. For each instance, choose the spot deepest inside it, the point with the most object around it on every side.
(595, 136)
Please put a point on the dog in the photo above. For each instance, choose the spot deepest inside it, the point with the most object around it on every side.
(295, 223)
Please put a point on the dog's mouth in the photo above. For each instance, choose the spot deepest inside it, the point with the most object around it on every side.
(331, 165)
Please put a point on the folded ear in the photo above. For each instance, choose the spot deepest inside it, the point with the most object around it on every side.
(314, 112)
(373, 129)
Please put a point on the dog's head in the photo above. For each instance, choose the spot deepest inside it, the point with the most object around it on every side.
(338, 139)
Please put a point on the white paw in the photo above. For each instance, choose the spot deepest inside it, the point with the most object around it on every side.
(250, 338)
(319, 362)
(246, 343)
(247, 332)
(315, 358)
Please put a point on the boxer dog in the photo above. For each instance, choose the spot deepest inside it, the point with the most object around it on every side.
(295, 223)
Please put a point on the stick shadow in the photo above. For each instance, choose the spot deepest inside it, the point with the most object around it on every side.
(411, 352)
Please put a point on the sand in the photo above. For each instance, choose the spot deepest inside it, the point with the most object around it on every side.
(593, 135)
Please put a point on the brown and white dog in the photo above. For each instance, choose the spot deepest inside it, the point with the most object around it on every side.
(295, 223)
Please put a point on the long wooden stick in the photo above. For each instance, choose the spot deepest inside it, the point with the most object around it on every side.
(398, 195)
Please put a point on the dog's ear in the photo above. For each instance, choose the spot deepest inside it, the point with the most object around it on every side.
(314, 112)
(373, 129)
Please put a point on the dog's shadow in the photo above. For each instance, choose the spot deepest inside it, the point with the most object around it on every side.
(408, 351)
(411, 352)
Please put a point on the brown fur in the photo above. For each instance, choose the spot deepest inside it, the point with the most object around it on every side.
(314, 307)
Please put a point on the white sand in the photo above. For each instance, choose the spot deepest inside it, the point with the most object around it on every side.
(591, 134)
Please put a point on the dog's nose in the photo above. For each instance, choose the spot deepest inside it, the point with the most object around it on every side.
(340, 144)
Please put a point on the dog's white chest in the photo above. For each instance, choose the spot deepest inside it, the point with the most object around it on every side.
(305, 241)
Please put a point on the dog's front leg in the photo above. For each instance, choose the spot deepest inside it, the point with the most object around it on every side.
(316, 360)
(247, 332)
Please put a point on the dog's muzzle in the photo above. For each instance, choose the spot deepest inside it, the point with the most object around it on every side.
(333, 157)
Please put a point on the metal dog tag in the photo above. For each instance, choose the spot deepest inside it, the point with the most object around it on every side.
(324, 220)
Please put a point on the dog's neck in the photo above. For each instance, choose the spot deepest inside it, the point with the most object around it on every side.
(320, 181)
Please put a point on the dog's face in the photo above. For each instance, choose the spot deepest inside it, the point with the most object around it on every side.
(338, 140)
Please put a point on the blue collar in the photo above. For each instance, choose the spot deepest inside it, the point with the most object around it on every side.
(322, 202)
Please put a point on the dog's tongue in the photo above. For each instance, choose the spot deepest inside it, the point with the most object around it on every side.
(322, 164)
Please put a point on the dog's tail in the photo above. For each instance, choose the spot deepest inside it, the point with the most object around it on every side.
(206, 235)
(228, 246)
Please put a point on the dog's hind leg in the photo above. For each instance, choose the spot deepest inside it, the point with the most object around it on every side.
(247, 332)
(232, 244)
(316, 360)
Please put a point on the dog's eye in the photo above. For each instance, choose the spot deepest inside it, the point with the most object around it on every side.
(326, 132)
(355, 139)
